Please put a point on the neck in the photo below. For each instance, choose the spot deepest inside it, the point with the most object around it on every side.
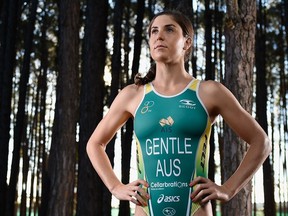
(171, 79)
(171, 74)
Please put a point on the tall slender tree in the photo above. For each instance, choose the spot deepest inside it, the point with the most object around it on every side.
(261, 105)
(240, 40)
(127, 131)
(63, 148)
(42, 177)
(138, 36)
(126, 78)
(7, 61)
(209, 75)
(3, 32)
(19, 130)
(116, 69)
(285, 8)
(209, 72)
(283, 105)
(90, 186)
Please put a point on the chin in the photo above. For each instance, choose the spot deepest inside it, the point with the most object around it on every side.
(161, 59)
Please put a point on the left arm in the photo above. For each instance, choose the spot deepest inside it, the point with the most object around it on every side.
(243, 124)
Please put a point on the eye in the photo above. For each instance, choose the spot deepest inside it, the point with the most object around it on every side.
(154, 31)
(170, 29)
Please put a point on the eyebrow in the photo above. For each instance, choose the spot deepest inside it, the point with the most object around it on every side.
(168, 25)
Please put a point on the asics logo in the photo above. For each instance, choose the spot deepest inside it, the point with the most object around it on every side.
(160, 199)
(168, 199)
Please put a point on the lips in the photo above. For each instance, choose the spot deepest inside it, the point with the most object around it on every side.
(159, 46)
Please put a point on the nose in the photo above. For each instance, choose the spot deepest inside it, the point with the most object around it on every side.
(160, 35)
(159, 38)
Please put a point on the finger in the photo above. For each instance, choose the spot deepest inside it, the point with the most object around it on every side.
(132, 197)
(198, 180)
(142, 182)
(207, 198)
(136, 198)
(202, 195)
(133, 200)
(198, 189)
(142, 201)
(197, 197)
(139, 182)
(143, 192)
(141, 195)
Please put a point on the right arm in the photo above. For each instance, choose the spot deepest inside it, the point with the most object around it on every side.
(119, 112)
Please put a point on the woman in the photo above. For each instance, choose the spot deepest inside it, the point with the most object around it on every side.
(173, 113)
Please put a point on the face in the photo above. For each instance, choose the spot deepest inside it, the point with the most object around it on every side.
(167, 43)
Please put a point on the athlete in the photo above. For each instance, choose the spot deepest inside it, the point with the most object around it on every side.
(173, 113)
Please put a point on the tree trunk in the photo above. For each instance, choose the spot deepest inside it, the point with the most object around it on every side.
(116, 57)
(126, 141)
(127, 133)
(210, 74)
(20, 126)
(42, 82)
(90, 187)
(286, 24)
(6, 71)
(126, 78)
(3, 32)
(283, 126)
(138, 37)
(240, 40)
(261, 104)
(63, 148)
(115, 84)
(194, 19)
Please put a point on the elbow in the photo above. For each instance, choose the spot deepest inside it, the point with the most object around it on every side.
(88, 148)
(93, 147)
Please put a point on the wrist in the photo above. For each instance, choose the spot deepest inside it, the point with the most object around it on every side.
(114, 187)
(229, 191)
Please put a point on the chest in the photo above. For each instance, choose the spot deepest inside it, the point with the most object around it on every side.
(178, 116)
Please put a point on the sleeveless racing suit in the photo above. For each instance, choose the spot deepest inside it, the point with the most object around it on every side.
(172, 135)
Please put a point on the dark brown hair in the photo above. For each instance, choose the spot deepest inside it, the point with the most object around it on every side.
(187, 30)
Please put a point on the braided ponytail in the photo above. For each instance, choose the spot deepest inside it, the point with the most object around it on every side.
(149, 77)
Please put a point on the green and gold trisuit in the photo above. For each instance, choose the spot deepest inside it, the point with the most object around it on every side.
(172, 134)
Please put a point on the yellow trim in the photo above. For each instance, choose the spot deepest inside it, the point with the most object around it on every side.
(146, 210)
(205, 138)
(194, 85)
(148, 88)
(195, 207)
(141, 168)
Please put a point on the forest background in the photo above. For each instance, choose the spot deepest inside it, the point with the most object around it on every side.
(63, 62)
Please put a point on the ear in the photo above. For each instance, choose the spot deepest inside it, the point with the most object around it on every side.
(188, 43)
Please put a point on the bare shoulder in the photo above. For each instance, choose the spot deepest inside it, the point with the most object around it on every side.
(219, 100)
(212, 87)
(216, 90)
(131, 92)
(129, 97)
(132, 89)
(216, 97)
